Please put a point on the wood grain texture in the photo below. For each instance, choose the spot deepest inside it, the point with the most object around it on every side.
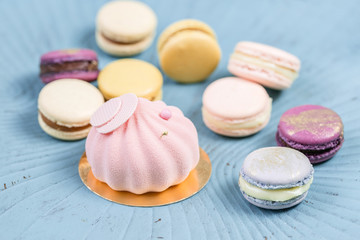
(41, 194)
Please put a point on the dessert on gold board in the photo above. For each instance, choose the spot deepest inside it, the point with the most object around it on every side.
(140, 146)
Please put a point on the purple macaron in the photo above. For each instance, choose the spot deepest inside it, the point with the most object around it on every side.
(316, 131)
(69, 63)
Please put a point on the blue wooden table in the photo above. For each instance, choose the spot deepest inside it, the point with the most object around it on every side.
(41, 194)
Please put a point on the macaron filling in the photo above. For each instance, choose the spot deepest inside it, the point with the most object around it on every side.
(278, 195)
(271, 66)
(180, 31)
(123, 42)
(269, 54)
(62, 128)
(57, 67)
(253, 122)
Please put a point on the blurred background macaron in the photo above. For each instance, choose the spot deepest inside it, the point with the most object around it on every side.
(188, 51)
(69, 63)
(131, 76)
(275, 177)
(235, 107)
(125, 28)
(65, 107)
(316, 131)
(269, 66)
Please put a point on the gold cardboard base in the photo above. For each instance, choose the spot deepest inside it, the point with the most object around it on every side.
(196, 180)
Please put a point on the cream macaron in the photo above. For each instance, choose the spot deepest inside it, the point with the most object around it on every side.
(125, 28)
(235, 107)
(269, 66)
(65, 107)
(188, 51)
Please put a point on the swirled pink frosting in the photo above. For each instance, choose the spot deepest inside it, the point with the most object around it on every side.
(147, 153)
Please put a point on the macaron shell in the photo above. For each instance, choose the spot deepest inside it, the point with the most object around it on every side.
(310, 124)
(130, 76)
(186, 24)
(68, 55)
(273, 205)
(81, 75)
(126, 21)
(269, 53)
(315, 153)
(235, 98)
(69, 102)
(68, 136)
(276, 167)
(123, 49)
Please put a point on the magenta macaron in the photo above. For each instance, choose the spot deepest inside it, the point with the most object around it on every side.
(316, 131)
(69, 63)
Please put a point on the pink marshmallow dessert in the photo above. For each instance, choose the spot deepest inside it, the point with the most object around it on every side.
(140, 146)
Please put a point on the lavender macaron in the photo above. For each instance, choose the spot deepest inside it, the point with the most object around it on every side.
(69, 63)
(316, 131)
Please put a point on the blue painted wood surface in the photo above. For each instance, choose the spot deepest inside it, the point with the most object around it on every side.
(41, 194)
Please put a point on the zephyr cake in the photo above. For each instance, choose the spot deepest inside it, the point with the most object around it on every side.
(141, 146)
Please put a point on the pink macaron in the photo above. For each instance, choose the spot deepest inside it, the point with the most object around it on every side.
(266, 65)
(235, 107)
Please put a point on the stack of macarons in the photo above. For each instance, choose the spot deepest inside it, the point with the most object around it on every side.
(188, 52)
(261, 65)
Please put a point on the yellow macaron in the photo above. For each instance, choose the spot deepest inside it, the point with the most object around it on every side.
(188, 51)
(131, 76)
